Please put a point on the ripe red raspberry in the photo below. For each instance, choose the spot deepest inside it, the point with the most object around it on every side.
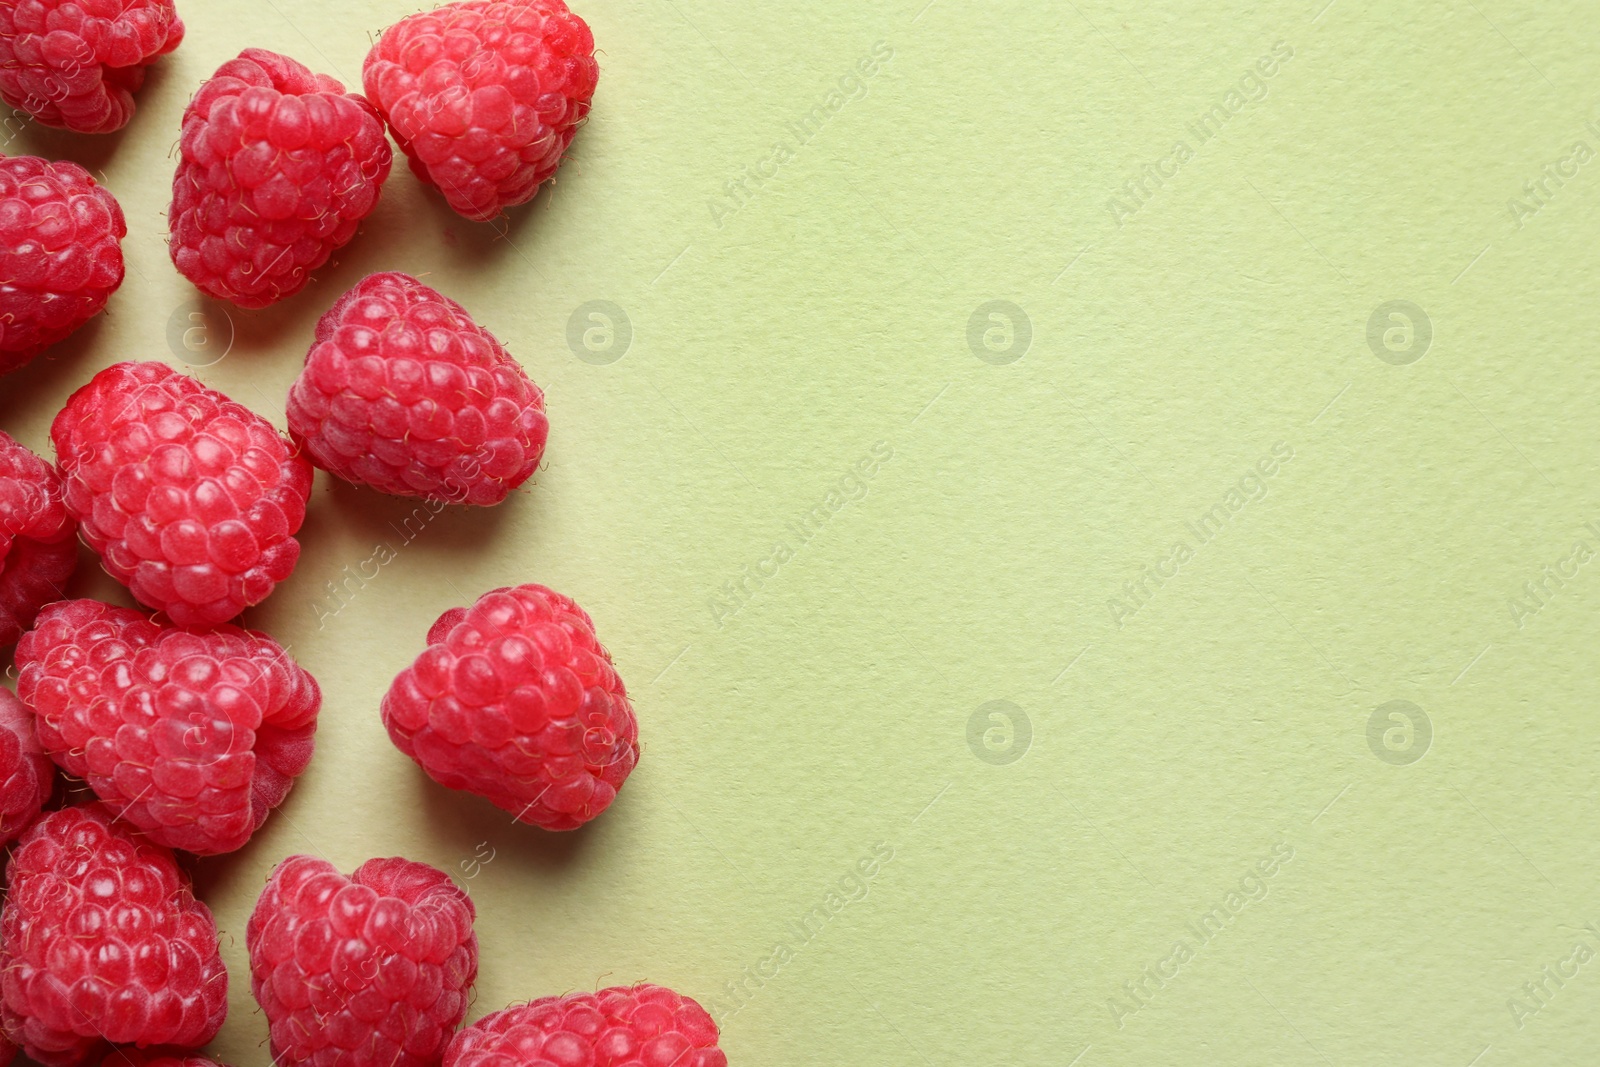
(402, 391)
(191, 500)
(102, 940)
(38, 552)
(516, 700)
(367, 971)
(484, 96)
(26, 773)
(75, 64)
(191, 736)
(60, 254)
(154, 1057)
(639, 1026)
(278, 168)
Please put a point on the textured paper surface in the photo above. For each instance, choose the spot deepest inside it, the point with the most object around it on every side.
(815, 650)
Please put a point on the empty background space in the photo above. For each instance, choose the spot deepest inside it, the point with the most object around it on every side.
(984, 273)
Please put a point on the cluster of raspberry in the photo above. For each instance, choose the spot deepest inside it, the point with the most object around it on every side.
(188, 729)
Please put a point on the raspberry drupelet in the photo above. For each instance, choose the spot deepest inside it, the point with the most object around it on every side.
(484, 96)
(516, 700)
(278, 167)
(26, 773)
(372, 970)
(60, 254)
(403, 392)
(38, 551)
(191, 499)
(103, 941)
(190, 736)
(75, 64)
(624, 1026)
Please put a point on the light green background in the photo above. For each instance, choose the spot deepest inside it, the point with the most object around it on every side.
(1225, 717)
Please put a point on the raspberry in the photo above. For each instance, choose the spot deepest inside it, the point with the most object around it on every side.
(75, 64)
(155, 1057)
(402, 391)
(278, 167)
(38, 552)
(516, 700)
(26, 773)
(102, 940)
(191, 500)
(193, 737)
(639, 1026)
(60, 254)
(367, 971)
(484, 96)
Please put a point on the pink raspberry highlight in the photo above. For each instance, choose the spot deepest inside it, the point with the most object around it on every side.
(60, 254)
(102, 941)
(192, 736)
(403, 392)
(372, 970)
(516, 700)
(75, 64)
(624, 1026)
(190, 499)
(484, 96)
(38, 551)
(278, 167)
(26, 773)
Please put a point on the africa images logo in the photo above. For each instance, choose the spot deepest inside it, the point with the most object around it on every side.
(742, 189)
(850, 888)
(1250, 90)
(849, 488)
(1536, 995)
(1552, 580)
(1139, 992)
(1252, 487)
